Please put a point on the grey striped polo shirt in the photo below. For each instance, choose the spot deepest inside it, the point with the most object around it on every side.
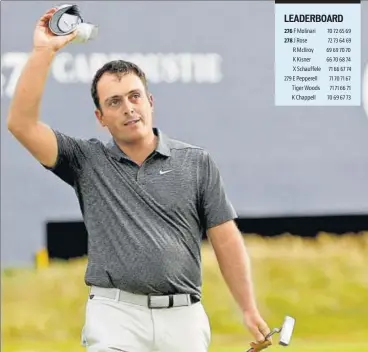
(144, 224)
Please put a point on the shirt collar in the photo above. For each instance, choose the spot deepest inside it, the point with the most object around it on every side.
(163, 143)
(162, 148)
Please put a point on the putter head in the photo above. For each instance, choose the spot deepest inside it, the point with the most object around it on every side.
(286, 331)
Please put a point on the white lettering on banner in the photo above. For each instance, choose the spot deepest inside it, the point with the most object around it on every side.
(62, 68)
(205, 68)
(3, 81)
(14, 62)
(68, 68)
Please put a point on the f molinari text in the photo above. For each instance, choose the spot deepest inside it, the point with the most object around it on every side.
(313, 18)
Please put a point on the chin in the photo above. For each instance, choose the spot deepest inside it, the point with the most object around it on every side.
(133, 136)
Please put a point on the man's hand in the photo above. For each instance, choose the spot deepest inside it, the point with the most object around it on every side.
(259, 329)
(44, 39)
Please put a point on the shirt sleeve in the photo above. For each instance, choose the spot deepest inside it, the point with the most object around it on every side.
(70, 159)
(216, 207)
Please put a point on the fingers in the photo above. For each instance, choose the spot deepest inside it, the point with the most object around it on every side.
(44, 20)
(260, 333)
(265, 330)
(51, 11)
(259, 336)
(46, 17)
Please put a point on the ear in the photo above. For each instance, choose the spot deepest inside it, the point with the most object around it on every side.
(150, 99)
(99, 117)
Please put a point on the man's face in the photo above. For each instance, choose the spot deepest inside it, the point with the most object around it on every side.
(126, 110)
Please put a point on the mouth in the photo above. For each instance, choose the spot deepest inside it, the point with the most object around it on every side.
(131, 122)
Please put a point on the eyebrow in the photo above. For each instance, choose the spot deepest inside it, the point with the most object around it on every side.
(119, 96)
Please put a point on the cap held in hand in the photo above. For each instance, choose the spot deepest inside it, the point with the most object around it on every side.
(67, 19)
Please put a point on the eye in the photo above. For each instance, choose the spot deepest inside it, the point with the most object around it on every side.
(136, 95)
(114, 102)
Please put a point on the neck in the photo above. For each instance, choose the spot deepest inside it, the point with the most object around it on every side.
(138, 151)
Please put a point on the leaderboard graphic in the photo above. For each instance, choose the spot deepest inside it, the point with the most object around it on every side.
(318, 53)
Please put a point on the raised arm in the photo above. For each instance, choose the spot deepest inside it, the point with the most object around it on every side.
(23, 118)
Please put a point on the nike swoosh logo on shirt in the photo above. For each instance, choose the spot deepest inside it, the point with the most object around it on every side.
(164, 172)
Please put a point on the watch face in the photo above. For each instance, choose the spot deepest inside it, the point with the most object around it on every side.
(68, 22)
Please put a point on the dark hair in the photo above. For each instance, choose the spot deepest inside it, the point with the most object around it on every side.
(120, 68)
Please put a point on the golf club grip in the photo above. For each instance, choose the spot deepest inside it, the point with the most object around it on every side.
(266, 337)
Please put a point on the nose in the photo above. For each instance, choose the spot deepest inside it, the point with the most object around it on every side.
(128, 108)
(129, 111)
